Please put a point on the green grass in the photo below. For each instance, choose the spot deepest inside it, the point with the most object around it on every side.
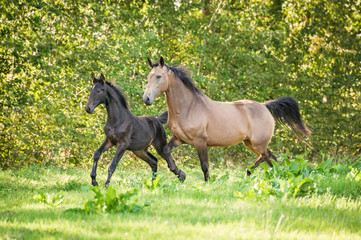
(328, 208)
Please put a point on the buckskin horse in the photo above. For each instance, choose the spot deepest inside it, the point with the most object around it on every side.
(126, 131)
(196, 119)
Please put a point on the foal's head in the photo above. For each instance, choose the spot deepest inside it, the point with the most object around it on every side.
(97, 95)
(158, 80)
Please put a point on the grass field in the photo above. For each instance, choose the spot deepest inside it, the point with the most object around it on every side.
(293, 201)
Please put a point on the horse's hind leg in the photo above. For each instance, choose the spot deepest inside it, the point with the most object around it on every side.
(265, 157)
(164, 150)
(264, 154)
(248, 144)
(272, 155)
(148, 158)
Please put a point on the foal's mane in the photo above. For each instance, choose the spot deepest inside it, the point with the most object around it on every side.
(121, 97)
(184, 75)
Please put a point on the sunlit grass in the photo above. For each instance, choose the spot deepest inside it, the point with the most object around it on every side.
(189, 210)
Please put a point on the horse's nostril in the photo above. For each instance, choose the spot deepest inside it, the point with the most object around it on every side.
(146, 100)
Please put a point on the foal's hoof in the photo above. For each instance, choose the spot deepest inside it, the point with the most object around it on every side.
(248, 173)
(181, 176)
(106, 185)
(94, 183)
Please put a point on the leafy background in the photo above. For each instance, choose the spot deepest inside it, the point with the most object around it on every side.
(253, 49)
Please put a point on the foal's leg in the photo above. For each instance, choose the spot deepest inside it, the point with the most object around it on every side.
(201, 147)
(148, 158)
(118, 155)
(165, 152)
(105, 146)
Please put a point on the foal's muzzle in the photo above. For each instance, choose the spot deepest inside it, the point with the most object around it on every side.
(89, 110)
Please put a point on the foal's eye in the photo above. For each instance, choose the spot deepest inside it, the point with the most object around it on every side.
(158, 76)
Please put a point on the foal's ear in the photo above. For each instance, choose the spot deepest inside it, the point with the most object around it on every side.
(93, 78)
(150, 62)
(102, 78)
(161, 61)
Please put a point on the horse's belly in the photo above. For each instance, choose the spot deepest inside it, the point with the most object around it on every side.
(140, 140)
(225, 138)
(223, 130)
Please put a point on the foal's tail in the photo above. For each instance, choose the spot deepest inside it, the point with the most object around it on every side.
(163, 118)
(285, 110)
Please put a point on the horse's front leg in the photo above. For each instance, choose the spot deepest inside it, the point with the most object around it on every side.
(201, 147)
(118, 155)
(105, 146)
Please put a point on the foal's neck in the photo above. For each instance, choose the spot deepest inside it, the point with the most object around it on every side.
(116, 111)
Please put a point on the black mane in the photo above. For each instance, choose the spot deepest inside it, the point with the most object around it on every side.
(122, 99)
(183, 75)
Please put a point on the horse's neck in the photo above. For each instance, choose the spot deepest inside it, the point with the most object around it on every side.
(116, 111)
(178, 97)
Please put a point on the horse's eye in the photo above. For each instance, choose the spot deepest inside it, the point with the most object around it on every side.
(158, 76)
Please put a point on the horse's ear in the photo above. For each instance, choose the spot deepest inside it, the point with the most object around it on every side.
(150, 62)
(102, 78)
(93, 78)
(161, 61)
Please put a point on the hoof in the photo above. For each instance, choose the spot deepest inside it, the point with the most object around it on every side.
(248, 173)
(94, 183)
(181, 176)
(106, 185)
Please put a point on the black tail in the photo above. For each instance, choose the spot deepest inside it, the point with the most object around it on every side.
(285, 110)
(163, 118)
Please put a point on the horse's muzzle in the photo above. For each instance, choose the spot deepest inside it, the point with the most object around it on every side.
(147, 100)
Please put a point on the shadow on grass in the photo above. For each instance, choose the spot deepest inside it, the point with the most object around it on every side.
(299, 214)
(261, 215)
(17, 232)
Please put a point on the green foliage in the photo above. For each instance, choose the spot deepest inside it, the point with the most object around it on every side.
(354, 174)
(110, 202)
(165, 186)
(293, 179)
(256, 50)
(48, 200)
(151, 184)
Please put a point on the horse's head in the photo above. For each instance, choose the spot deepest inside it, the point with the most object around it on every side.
(157, 81)
(97, 95)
